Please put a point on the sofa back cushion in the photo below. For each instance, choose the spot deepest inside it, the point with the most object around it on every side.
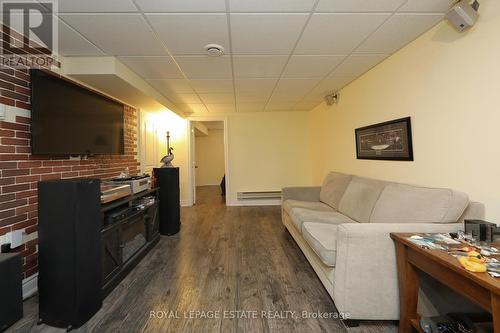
(333, 188)
(360, 197)
(400, 203)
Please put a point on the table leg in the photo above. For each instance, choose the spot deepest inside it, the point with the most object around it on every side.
(495, 311)
(408, 289)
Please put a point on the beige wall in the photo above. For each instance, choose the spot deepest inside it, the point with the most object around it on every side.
(449, 83)
(209, 152)
(268, 150)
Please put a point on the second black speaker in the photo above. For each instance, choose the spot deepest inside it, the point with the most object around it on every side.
(167, 179)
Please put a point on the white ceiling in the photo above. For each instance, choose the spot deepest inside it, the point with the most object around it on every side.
(279, 55)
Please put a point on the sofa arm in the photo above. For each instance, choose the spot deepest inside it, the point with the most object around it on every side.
(304, 193)
(366, 281)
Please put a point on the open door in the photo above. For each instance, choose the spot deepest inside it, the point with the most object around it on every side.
(204, 125)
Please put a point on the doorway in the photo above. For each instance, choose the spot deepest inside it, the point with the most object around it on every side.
(208, 161)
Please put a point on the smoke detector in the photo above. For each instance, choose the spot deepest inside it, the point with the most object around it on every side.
(214, 50)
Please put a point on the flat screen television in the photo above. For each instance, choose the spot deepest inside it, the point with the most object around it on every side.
(70, 119)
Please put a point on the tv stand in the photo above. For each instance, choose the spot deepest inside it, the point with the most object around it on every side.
(126, 239)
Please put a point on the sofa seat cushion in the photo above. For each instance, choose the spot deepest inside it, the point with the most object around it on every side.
(301, 215)
(333, 188)
(315, 205)
(322, 238)
(400, 203)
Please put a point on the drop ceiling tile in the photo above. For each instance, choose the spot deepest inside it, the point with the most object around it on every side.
(258, 66)
(271, 6)
(280, 106)
(213, 86)
(250, 107)
(434, 6)
(252, 97)
(285, 98)
(96, 6)
(73, 44)
(114, 33)
(184, 98)
(398, 31)
(255, 85)
(180, 6)
(192, 108)
(176, 86)
(307, 105)
(189, 33)
(293, 89)
(358, 64)
(217, 98)
(205, 67)
(220, 108)
(153, 67)
(327, 86)
(265, 33)
(254, 90)
(337, 33)
(359, 5)
(303, 66)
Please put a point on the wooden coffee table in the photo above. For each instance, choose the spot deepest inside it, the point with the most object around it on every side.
(480, 288)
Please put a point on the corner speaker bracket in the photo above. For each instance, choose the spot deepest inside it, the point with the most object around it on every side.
(332, 98)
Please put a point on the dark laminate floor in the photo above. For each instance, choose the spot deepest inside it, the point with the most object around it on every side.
(224, 259)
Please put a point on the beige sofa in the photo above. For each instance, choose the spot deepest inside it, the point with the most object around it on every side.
(343, 230)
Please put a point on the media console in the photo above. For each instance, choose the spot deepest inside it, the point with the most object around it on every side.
(86, 248)
(130, 230)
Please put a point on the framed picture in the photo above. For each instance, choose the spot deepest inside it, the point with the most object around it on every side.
(385, 141)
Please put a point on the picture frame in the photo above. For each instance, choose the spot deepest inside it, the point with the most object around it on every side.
(390, 140)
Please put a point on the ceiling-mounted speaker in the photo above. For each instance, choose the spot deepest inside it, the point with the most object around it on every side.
(332, 98)
(463, 14)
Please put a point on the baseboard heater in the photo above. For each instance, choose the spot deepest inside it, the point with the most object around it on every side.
(259, 195)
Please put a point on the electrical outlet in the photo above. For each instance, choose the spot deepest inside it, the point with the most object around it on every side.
(15, 238)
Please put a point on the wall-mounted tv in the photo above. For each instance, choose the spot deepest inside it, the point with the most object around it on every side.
(70, 119)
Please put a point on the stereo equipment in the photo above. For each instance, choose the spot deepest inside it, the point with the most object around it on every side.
(11, 291)
(137, 183)
(167, 179)
(111, 192)
(482, 231)
(119, 214)
(69, 237)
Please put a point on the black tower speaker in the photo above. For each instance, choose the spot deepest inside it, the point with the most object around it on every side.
(168, 181)
(11, 290)
(69, 237)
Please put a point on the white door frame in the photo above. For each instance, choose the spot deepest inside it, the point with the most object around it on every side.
(191, 148)
(192, 159)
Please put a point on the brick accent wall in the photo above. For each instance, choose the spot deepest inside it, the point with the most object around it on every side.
(20, 171)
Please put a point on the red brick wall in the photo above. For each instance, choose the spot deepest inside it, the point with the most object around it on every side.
(20, 171)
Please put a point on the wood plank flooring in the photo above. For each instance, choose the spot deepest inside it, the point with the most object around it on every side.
(230, 263)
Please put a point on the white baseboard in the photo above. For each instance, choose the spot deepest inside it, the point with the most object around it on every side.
(186, 203)
(30, 286)
(263, 202)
